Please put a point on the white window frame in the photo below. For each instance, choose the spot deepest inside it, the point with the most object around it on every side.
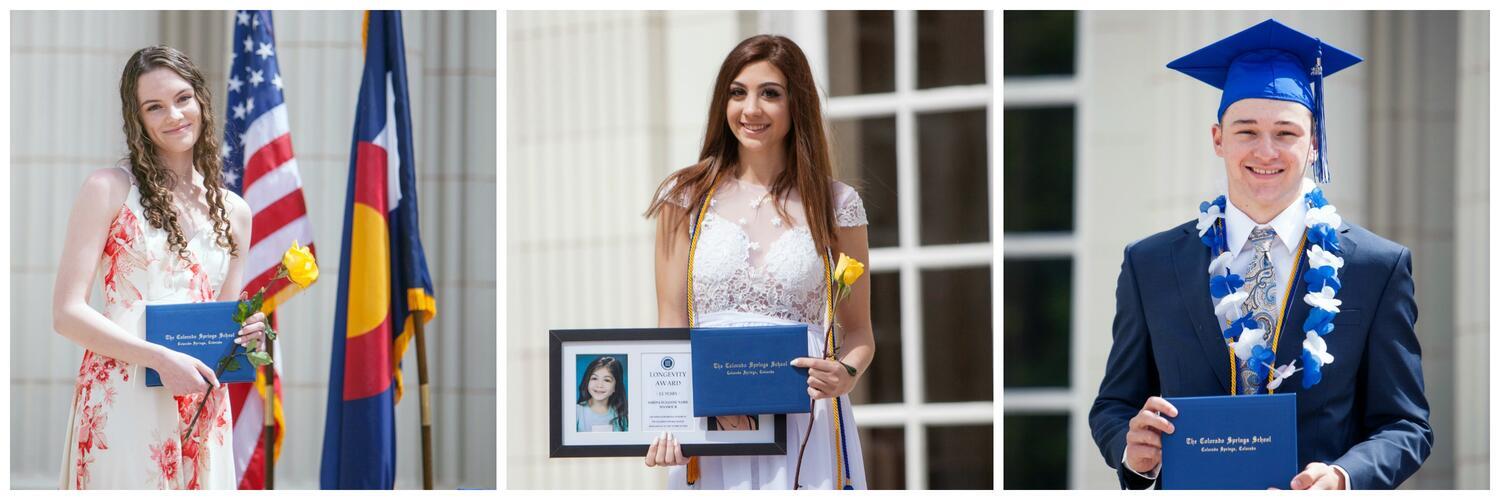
(909, 258)
(1027, 92)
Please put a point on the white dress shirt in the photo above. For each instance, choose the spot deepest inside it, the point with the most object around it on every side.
(1288, 225)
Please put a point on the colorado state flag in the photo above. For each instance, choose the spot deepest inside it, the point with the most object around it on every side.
(383, 281)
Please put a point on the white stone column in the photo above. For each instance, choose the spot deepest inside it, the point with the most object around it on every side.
(65, 123)
(1471, 334)
(601, 107)
(1412, 185)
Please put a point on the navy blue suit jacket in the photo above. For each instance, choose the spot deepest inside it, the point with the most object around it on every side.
(1368, 415)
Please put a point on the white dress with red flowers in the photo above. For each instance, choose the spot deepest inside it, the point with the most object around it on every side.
(122, 434)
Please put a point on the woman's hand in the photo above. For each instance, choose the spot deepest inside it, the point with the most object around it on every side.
(183, 374)
(253, 330)
(665, 451)
(825, 378)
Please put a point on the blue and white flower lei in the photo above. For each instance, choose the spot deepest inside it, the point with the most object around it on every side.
(1324, 259)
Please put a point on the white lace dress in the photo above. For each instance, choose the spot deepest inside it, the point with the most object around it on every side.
(752, 267)
(122, 434)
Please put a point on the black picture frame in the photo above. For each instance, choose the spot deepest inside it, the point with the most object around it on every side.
(558, 339)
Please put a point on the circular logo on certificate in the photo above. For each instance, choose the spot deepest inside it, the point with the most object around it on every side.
(667, 363)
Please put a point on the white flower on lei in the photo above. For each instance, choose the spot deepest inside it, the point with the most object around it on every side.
(1323, 215)
(1229, 306)
(1280, 374)
(1249, 339)
(1219, 264)
(1318, 257)
(1316, 346)
(1323, 299)
(1206, 219)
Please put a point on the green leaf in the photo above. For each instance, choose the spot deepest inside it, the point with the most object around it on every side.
(240, 315)
(256, 303)
(259, 358)
(234, 364)
(270, 332)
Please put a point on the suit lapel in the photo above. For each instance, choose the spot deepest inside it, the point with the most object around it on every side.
(1190, 259)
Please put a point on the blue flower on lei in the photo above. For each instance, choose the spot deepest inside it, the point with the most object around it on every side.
(1238, 326)
(1312, 370)
(1317, 278)
(1315, 198)
(1326, 236)
(1220, 286)
(1260, 358)
(1318, 320)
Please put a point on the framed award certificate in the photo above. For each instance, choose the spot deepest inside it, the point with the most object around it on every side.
(615, 390)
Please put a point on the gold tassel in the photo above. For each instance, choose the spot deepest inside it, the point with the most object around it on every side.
(693, 472)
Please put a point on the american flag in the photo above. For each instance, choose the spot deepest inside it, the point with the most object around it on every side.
(260, 166)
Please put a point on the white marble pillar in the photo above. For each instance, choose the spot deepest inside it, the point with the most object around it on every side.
(601, 107)
(1471, 334)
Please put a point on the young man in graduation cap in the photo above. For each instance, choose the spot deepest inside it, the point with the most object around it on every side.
(1269, 290)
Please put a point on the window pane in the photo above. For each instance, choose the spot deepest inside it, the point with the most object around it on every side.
(1036, 451)
(885, 457)
(961, 457)
(1037, 305)
(881, 383)
(1039, 42)
(1038, 169)
(950, 48)
(865, 154)
(957, 335)
(953, 166)
(861, 52)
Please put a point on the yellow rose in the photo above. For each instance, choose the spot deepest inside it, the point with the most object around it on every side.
(848, 270)
(301, 266)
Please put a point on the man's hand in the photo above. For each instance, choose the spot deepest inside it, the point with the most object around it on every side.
(1143, 441)
(1318, 476)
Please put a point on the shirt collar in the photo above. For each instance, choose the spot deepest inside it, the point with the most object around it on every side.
(1288, 225)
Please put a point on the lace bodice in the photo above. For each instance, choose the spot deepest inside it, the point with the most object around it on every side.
(750, 259)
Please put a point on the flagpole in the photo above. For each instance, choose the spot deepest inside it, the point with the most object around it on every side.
(269, 432)
(426, 403)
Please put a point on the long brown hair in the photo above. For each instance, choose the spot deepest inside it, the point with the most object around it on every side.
(808, 167)
(153, 178)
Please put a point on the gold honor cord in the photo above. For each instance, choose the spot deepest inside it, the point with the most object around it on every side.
(1286, 296)
(694, 471)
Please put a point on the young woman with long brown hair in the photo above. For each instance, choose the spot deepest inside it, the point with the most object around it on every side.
(163, 229)
(774, 220)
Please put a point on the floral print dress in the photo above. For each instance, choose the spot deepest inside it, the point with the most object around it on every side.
(122, 434)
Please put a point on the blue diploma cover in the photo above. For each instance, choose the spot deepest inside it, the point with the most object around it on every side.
(1231, 442)
(747, 370)
(203, 330)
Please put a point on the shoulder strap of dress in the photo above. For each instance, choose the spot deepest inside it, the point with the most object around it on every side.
(126, 168)
(132, 197)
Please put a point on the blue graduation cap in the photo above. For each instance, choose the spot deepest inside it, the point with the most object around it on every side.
(1271, 61)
